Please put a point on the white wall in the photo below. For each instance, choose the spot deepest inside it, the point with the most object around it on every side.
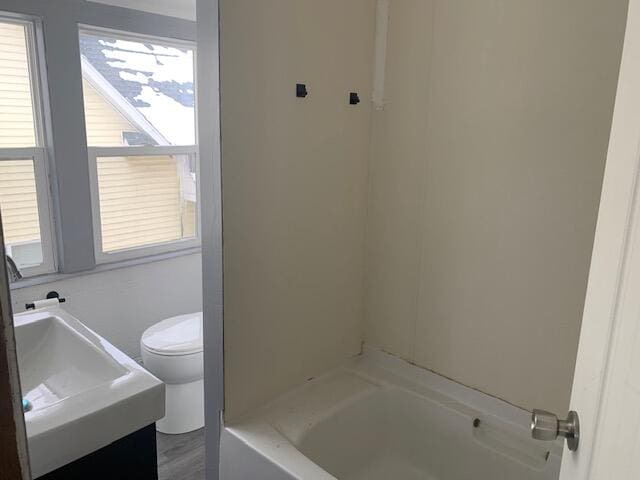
(294, 190)
(486, 170)
(120, 304)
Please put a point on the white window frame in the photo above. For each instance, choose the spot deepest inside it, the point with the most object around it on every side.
(190, 151)
(95, 152)
(38, 153)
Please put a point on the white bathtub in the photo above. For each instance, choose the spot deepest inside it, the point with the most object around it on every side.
(379, 418)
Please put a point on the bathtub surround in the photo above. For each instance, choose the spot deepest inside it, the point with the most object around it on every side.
(294, 175)
(486, 170)
(484, 166)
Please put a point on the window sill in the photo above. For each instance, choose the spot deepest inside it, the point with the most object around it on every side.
(104, 267)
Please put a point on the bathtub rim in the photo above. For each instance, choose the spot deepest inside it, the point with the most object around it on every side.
(257, 431)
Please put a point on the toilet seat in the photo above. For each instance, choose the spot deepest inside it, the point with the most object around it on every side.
(181, 335)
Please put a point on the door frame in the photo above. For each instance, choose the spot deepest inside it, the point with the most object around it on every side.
(208, 104)
(619, 212)
(14, 457)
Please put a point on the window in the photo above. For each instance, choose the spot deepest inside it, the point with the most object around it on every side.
(24, 190)
(139, 102)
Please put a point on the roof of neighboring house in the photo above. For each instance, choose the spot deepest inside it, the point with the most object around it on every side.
(154, 81)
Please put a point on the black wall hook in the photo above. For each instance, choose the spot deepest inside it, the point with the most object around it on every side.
(354, 98)
(301, 90)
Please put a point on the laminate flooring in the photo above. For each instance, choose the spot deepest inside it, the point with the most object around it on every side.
(181, 457)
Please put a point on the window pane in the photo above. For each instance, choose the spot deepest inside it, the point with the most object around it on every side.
(17, 126)
(20, 219)
(137, 93)
(145, 200)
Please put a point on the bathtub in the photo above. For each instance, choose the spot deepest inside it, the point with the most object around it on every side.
(379, 418)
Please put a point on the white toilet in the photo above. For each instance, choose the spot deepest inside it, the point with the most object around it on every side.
(172, 350)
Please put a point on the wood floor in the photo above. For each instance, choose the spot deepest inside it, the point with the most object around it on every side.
(181, 457)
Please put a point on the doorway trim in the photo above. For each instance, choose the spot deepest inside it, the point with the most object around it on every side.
(208, 104)
(613, 240)
(14, 456)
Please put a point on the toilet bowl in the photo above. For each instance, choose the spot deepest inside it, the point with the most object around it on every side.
(172, 351)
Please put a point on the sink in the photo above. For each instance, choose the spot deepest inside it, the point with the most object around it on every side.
(56, 362)
(83, 393)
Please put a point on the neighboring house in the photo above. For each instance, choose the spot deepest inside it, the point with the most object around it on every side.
(143, 200)
(17, 185)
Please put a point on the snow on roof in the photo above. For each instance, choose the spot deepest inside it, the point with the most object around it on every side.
(156, 80)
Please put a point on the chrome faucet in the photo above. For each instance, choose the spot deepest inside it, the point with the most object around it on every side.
(13, 272)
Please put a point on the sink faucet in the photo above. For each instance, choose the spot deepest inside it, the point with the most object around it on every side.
(13, 271)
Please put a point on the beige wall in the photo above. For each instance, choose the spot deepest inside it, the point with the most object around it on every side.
(485, 179)
(294, 191)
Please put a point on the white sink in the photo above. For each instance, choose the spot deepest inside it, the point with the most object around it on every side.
(83, 392)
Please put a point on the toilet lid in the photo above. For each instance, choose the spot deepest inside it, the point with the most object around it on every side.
(179, 335)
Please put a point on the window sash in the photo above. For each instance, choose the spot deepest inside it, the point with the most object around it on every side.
(143, 250)
(85, 29)
(37, 83)
(43, 197)
(38, 152)
(36, 87)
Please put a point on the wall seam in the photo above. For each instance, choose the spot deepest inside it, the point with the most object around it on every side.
(419, 305)
(369, 182)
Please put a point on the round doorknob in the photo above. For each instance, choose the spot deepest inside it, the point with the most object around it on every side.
(544, 425)
(547, 426)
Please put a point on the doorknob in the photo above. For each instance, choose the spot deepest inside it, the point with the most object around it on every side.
(547, 426)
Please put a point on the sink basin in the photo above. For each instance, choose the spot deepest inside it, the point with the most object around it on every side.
(56, 362)
(83, 392)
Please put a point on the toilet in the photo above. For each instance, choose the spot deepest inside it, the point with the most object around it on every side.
(172, 351)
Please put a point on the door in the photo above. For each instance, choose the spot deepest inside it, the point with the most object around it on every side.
(606, 388)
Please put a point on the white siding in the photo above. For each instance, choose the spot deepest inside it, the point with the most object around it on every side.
(140, 201)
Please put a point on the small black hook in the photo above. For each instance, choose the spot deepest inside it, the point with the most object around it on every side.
(301, 90)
